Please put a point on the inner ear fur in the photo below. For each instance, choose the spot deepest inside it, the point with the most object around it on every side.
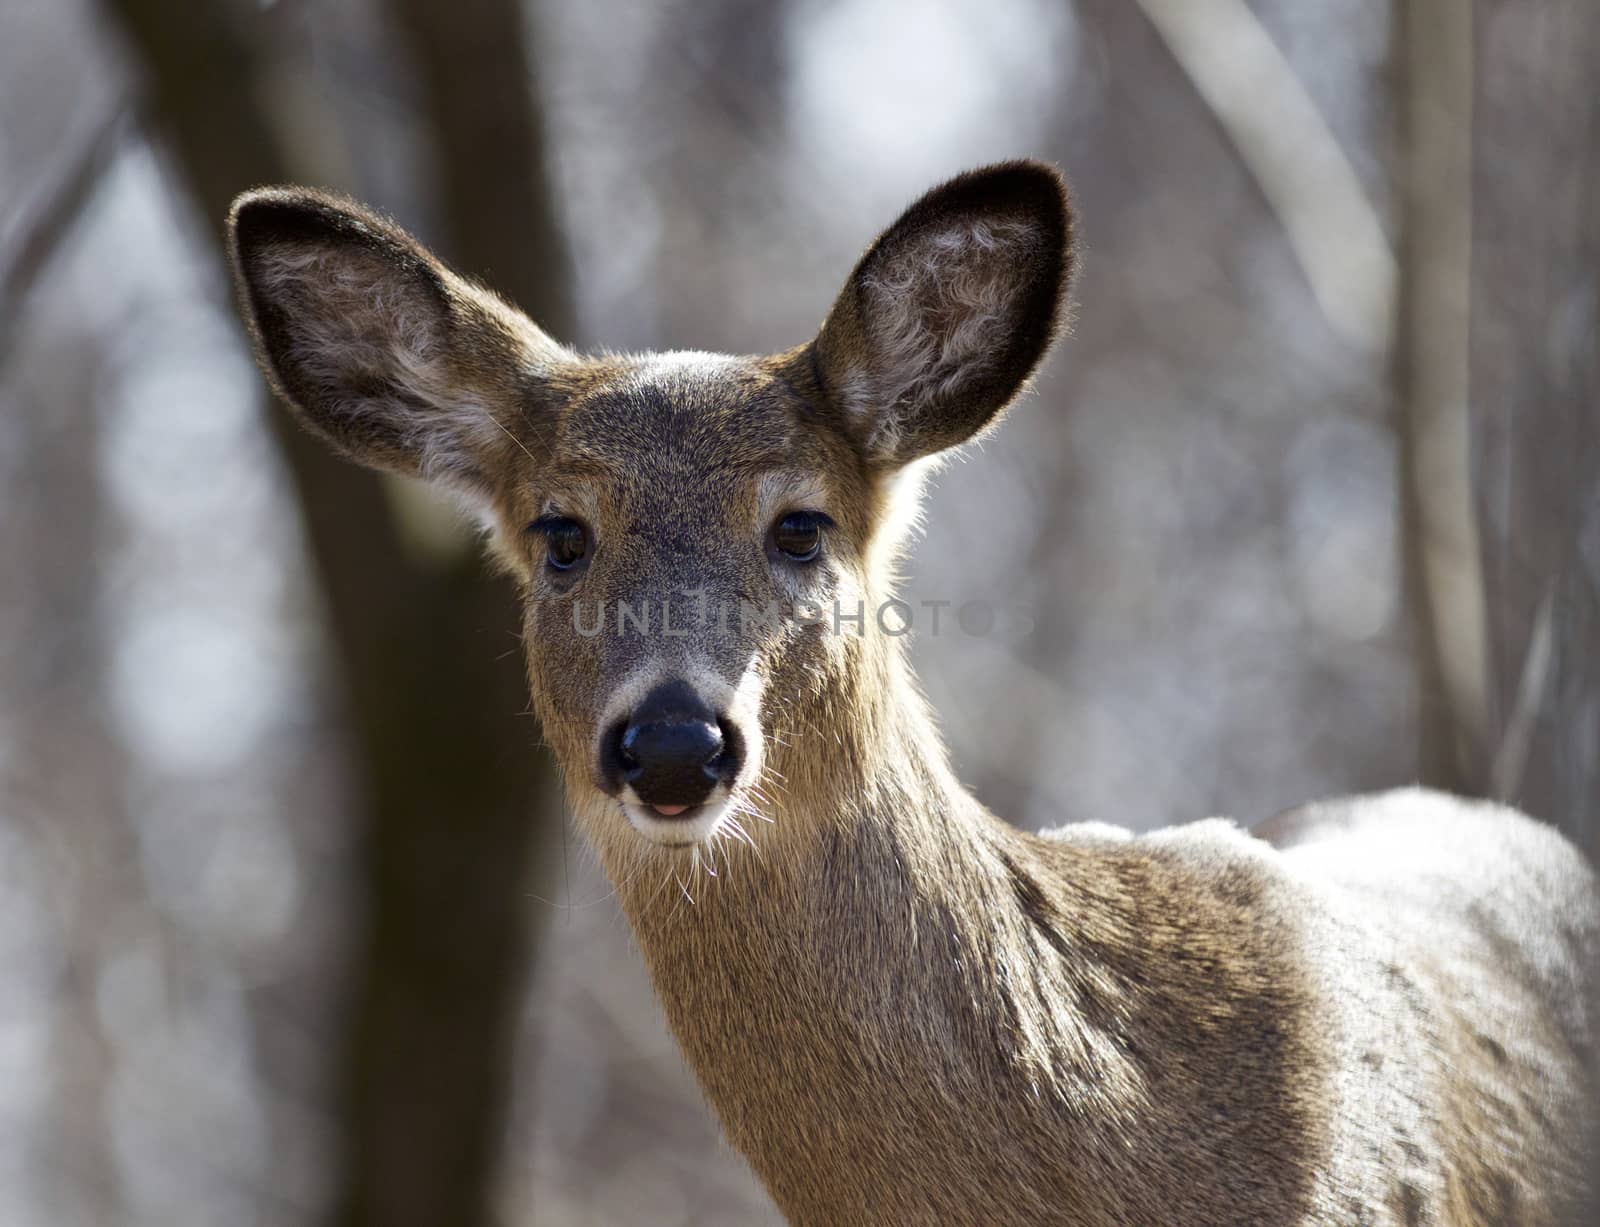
(383, 351)
(950, 311)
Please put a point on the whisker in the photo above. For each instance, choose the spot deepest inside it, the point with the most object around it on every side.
(511, 436)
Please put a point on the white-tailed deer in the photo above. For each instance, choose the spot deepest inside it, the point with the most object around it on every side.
(903, 1010)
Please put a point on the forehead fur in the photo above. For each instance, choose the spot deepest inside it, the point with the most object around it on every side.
(703, 415)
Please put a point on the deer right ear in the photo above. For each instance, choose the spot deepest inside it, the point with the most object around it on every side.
(382, 350)
(949, 312)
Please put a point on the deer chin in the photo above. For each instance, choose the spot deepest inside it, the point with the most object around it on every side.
(695, 825)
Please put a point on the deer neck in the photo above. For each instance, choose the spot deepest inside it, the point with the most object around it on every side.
(902, 1001)
(875, 952)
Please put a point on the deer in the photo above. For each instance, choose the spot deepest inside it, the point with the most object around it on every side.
(1379, 1009)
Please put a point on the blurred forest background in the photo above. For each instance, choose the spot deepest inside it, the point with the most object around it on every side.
(292, 927)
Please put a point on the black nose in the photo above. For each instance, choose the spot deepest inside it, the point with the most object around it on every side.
(673, 750)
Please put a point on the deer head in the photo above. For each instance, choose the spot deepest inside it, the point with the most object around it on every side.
(700, 539)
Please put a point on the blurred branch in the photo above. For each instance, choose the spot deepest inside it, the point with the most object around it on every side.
(1511, 756)
(53, 217)
(1442, 553)
(1535, 371)
(427, 650)
(1294, 157)
(1339, 240)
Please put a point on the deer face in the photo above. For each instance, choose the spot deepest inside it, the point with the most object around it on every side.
(701, 540)
(688, 516)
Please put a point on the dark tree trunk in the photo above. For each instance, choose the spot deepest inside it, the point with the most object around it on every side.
(427, 645)
(499, 213)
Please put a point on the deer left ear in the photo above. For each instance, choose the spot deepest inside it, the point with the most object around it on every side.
(380, 349)
(949, 312)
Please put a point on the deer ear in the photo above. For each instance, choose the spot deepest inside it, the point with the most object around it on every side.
(388, 355)
(949, 311)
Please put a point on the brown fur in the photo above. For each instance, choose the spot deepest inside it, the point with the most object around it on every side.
(902, 1009)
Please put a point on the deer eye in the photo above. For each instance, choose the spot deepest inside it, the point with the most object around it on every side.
(565, 541)
(798, 535)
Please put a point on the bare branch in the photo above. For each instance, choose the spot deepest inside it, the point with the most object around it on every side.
(1294, 157)
(1441, 518)
(52, 219)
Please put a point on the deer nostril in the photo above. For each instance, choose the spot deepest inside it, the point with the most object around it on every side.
(730, 756)
(625, 754)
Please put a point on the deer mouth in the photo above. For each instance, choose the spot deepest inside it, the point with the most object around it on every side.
(684, 826)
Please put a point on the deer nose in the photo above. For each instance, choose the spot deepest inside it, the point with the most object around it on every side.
(673, 750)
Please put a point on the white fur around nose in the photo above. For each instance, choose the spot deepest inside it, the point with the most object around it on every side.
(937, 313)
(725, 808)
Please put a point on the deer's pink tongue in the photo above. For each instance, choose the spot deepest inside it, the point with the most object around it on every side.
(669, 811)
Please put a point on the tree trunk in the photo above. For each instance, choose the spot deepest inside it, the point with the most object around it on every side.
(427, 644)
